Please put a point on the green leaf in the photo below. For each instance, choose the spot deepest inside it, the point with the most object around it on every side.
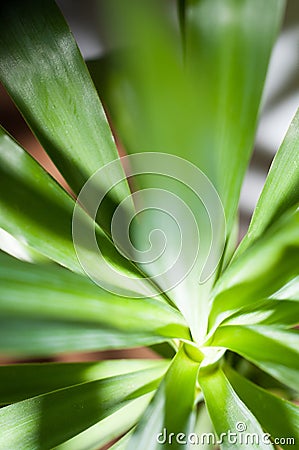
(229, 59)
(44, 73)
(44, 421)
(263, 269)
(281, 189)
(32, 338)
(185, 292)
(274, 350)
(289, 291)
(220, 396)
(12, 246)
(53, 293)
(21, 381)
(154, 99)
(35, 210)
(161, 417)
(278, 417)
(109, 428)
(154, 102)
(283, 313)
(47, 310)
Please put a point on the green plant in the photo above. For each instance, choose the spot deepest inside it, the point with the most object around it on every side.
(226, 342)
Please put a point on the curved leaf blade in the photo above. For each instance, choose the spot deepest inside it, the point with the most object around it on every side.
(269, 409)
(203, 106)
(44, 73)
(13, 247)
(219, 394)
(38, 212)
(289, 291)
(34, 208)
(154, 100)
(281, 189)
(262, 270)
(284, 313)
(161, 418)
(274, 350)
(21, 381)
(41, 338)
(229, 59)
(54, 293)
(109, 428)
(45, 420)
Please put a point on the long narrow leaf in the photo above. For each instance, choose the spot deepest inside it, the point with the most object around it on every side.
(21, 381)
(54, 293)
(154, 98)
(283, 313)
(45, 420)
(109, 428)
(18, 249)
(161, 418)
(43, 71)
(35, 210)
(229, 59)
(268, 408)
(273, 350)
(237, 422)
(22, 337)
(289, 291)
(154, 101)
(262, 270)
(281, 190)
